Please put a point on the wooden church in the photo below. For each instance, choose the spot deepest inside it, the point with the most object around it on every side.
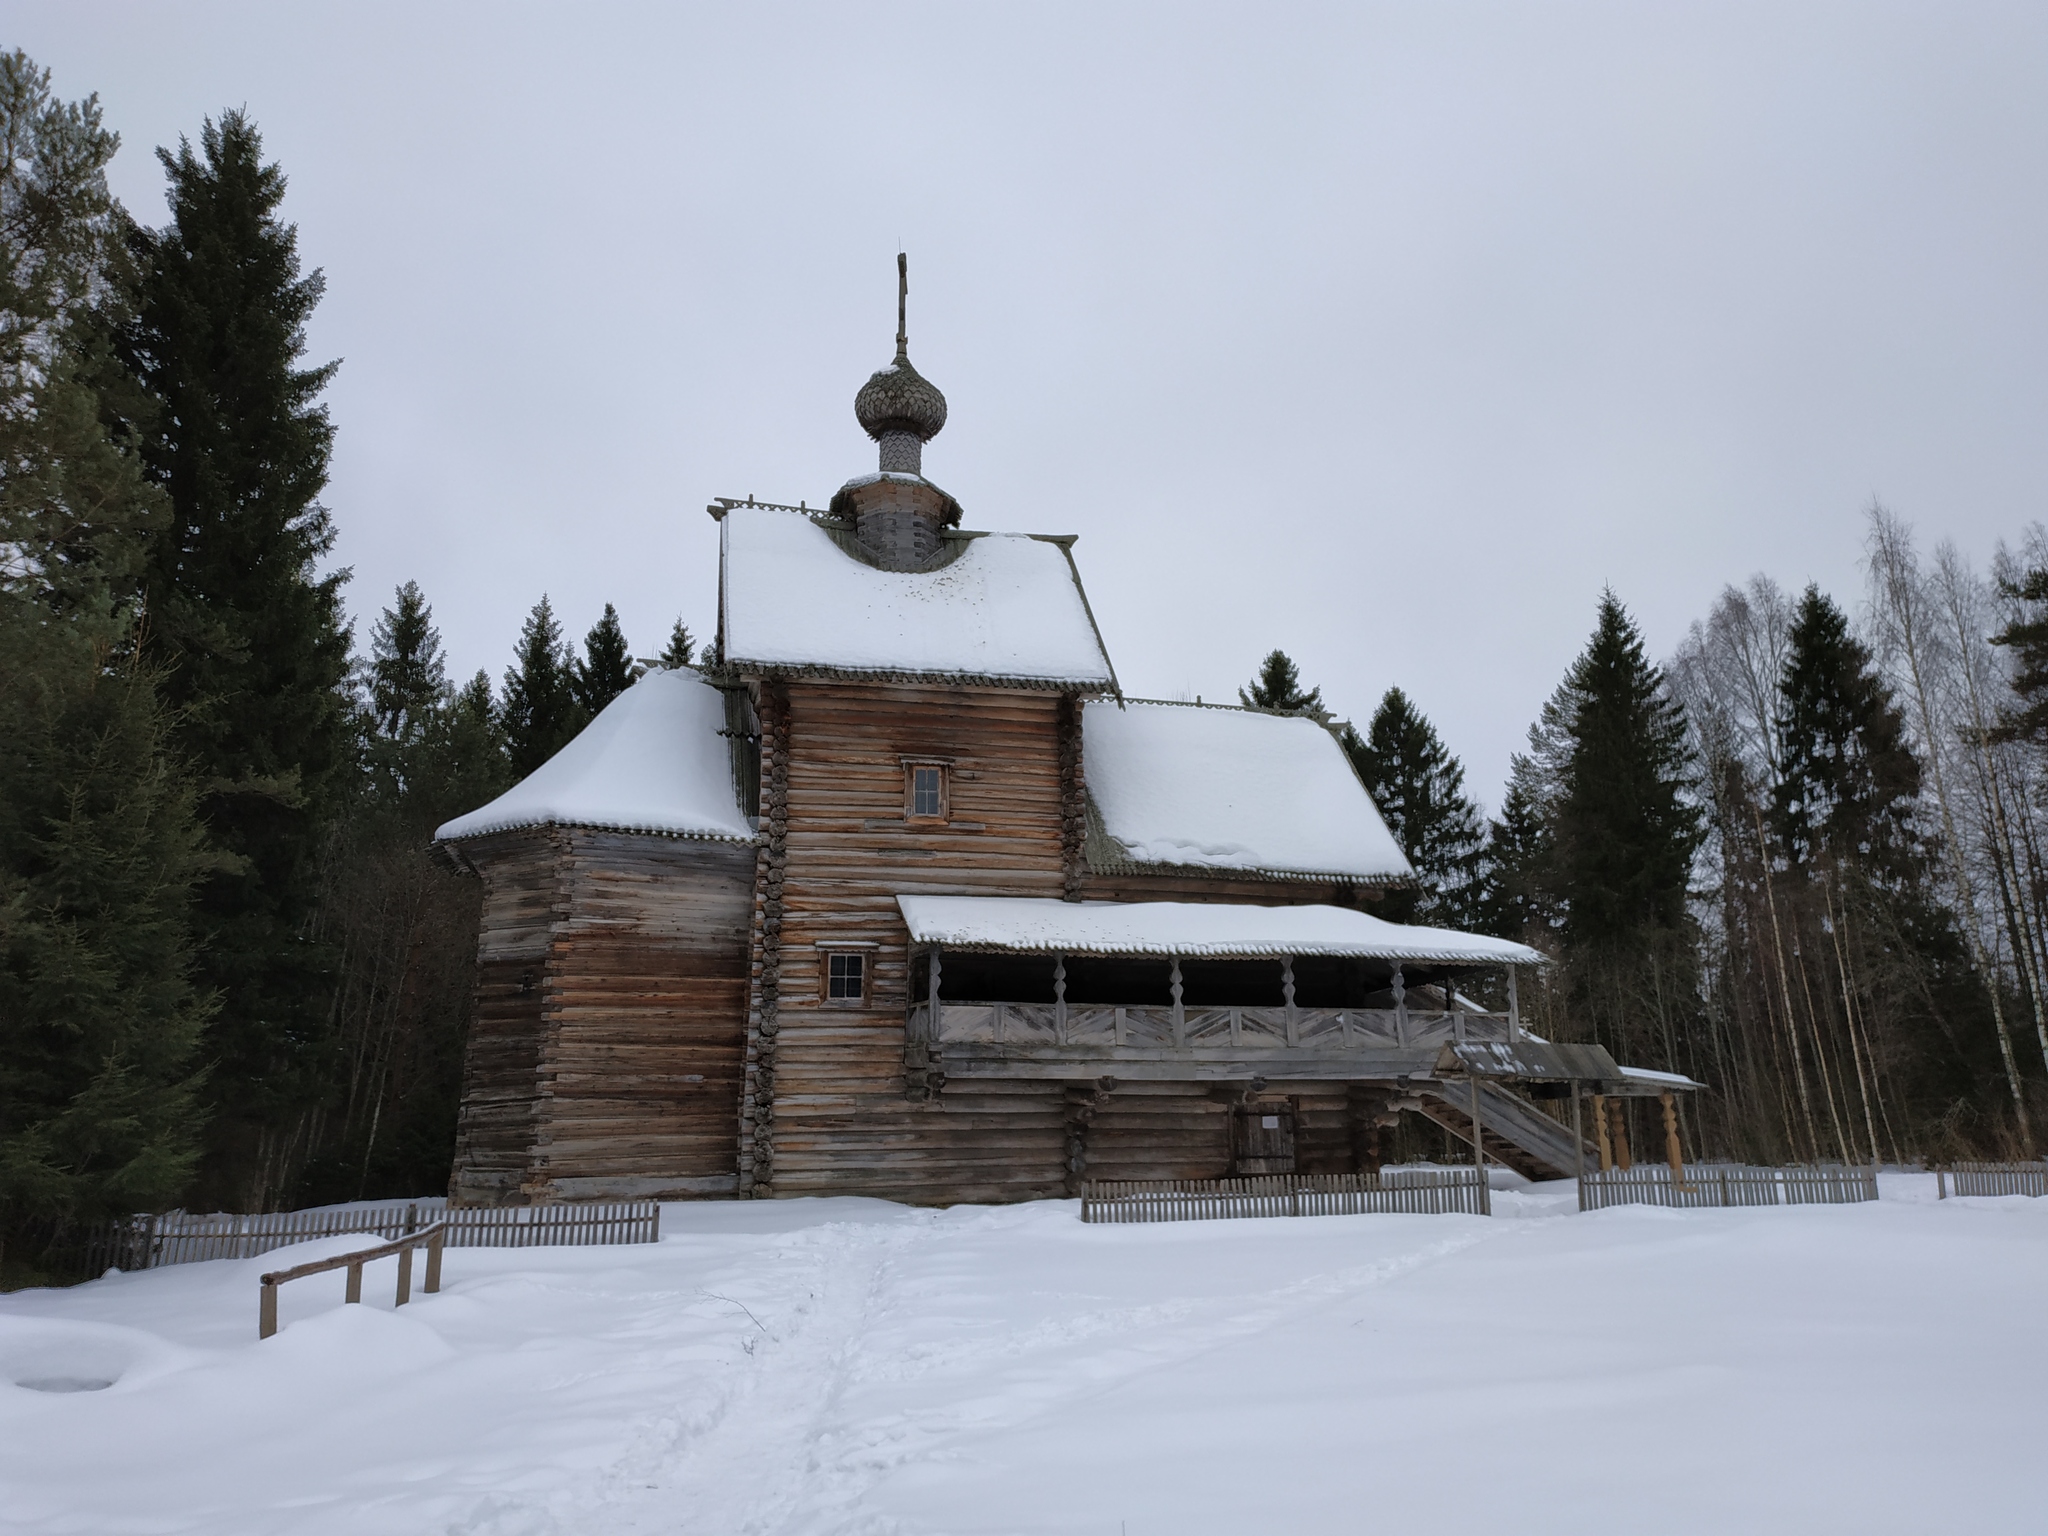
(899, 895)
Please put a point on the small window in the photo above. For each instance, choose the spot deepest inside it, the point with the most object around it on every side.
(846, 977)
(925, 792)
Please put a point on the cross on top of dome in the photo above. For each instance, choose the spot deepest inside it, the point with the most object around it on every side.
(898, 407)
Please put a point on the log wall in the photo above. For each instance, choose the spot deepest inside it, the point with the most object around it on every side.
(606, 1058)
(827, 1108)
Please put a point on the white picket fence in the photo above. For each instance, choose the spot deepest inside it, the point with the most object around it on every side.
(179, 1237)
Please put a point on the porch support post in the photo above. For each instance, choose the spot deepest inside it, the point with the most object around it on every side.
(1180, 1018)
(1287, 997)
(1479, 1149)
(1617, 1111)
(932, 1021)
(1400, 1007)
(1578, 1134)
(1515, 1009)
(1673, 1152)
(1600, 1133)
(1059, 998)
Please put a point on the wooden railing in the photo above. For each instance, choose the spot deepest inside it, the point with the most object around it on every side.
(1992, 1179)
(1429, 1192)
(1715, 1185)
(1191, 1027)
(432, 1237)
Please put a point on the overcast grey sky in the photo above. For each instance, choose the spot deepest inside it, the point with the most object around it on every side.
(1385, 334)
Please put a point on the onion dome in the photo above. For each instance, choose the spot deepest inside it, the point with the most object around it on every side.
(900, 399)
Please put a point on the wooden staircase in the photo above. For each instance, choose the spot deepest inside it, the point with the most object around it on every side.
(1515, 1132)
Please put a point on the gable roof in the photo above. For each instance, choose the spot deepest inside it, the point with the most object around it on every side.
(652, 761)
(1009, 608)
(1217, 788)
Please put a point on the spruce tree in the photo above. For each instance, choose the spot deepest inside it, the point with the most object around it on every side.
(606, 670)
(1848, 779)
(250, 636)
(1419, 788)
(2027, 636)
(1278, 687)
(1624, 830)
(476, 767)
(680, 647)
(408, 674)
(99, 842)
(540, 710)
(403, 920)
(1512, 898)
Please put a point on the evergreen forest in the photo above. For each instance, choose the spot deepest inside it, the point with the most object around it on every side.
(1804, 859)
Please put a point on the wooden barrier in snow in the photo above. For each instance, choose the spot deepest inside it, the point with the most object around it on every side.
(1432, 1192)
(1992, 1179)
(148, 1242)
(1713, 1185)
(433, 1238)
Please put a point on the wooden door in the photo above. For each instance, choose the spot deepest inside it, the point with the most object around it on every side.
(1262, 1137)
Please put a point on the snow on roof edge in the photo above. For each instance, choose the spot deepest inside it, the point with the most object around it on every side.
(521, 824)
(1048, 925)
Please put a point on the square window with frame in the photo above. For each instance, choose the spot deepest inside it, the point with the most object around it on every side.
(927, 791)
(847, 973)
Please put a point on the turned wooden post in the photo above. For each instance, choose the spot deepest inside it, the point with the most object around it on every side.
(1287, 998)
(1180, 1018)
(1578, 1135)
(1600, 1131)
(1673, 1153)
(1059, 998)
(1515, 1013)
(1616, 1109)
(1400, 991)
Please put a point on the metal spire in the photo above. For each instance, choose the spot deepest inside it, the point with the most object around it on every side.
(902, 295)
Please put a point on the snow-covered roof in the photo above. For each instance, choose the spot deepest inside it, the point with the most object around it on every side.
(1046, 925)
(652, 761)
(1223, 788)
(1009, 608)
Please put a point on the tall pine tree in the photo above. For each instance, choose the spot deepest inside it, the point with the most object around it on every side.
(249, 633)
(1419, 788)
(1848, 780)
(540, 710)
(99, 842)
(606, 670)
(1624, 829)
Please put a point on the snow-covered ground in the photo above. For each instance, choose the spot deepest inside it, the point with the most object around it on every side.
(830, 1366)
